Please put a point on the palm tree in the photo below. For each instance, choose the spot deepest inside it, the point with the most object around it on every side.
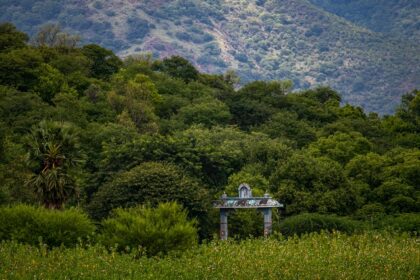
(53, 153)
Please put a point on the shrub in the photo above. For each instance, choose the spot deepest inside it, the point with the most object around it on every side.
(408, 222)
(311, 222)
(370, 211)
(29, 224)
(149, 182)
(157, 230)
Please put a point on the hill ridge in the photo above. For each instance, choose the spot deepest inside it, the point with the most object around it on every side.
(264, 39)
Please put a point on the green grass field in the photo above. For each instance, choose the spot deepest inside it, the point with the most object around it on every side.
(318, 256)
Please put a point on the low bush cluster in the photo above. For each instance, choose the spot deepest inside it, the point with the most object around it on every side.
(35, 225)
(146, 230)
(160, 230)
(312, 222)
(408, 222)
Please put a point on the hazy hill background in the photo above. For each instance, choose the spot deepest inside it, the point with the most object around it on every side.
(368, 50)
(396, 17)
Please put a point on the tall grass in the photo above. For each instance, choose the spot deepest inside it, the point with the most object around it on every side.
(314, 256)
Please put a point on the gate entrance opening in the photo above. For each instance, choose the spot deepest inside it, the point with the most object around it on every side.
(245, 200)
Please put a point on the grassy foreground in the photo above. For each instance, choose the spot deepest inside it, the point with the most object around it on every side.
(318, 256)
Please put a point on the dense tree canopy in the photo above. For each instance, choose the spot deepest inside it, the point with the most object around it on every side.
(150, 131)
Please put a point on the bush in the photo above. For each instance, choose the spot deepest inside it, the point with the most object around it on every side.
(149, 182)
(157, 230)
(32, 225)
(311, 222)
(408, 222)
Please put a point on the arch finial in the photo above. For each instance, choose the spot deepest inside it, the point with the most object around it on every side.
(244, 191)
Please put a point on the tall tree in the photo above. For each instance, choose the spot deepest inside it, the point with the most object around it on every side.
(104, 62)
(53, 152)
(178, 67)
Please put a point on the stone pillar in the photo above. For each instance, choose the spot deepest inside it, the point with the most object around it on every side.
(223, 224)
(267, 221)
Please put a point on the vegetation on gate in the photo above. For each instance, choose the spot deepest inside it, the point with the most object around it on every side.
(319, 256)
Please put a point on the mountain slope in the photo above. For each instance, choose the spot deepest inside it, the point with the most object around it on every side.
(264, 39)
(396, 17)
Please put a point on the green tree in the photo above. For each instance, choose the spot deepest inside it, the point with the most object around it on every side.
(311, 109)
(11, 38)
(98, 141)
(149, 182)
(53, 153)
(19, 68)
(50, 82)
(396, 196)
(257, 101)
(368, 168)
(341, 147)
(404, 126)
(309, 184)
(70, 108)
(21, 110)
(405, 165)
(287, 125)
(137, 96)
(207, 111)
(323, 95)
(177, 67)
(104, 62)
(141, 87)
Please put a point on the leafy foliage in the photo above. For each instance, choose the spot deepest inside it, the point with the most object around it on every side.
(105, 62)
(149, 182)
(53, 152)
(307, 223)
(154, 230)
(11, 38)
(82, 127)
(35, 225)
(178, 67)
(401, 223)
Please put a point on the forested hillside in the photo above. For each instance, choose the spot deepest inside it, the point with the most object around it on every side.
(81, 127)
(355, 46)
